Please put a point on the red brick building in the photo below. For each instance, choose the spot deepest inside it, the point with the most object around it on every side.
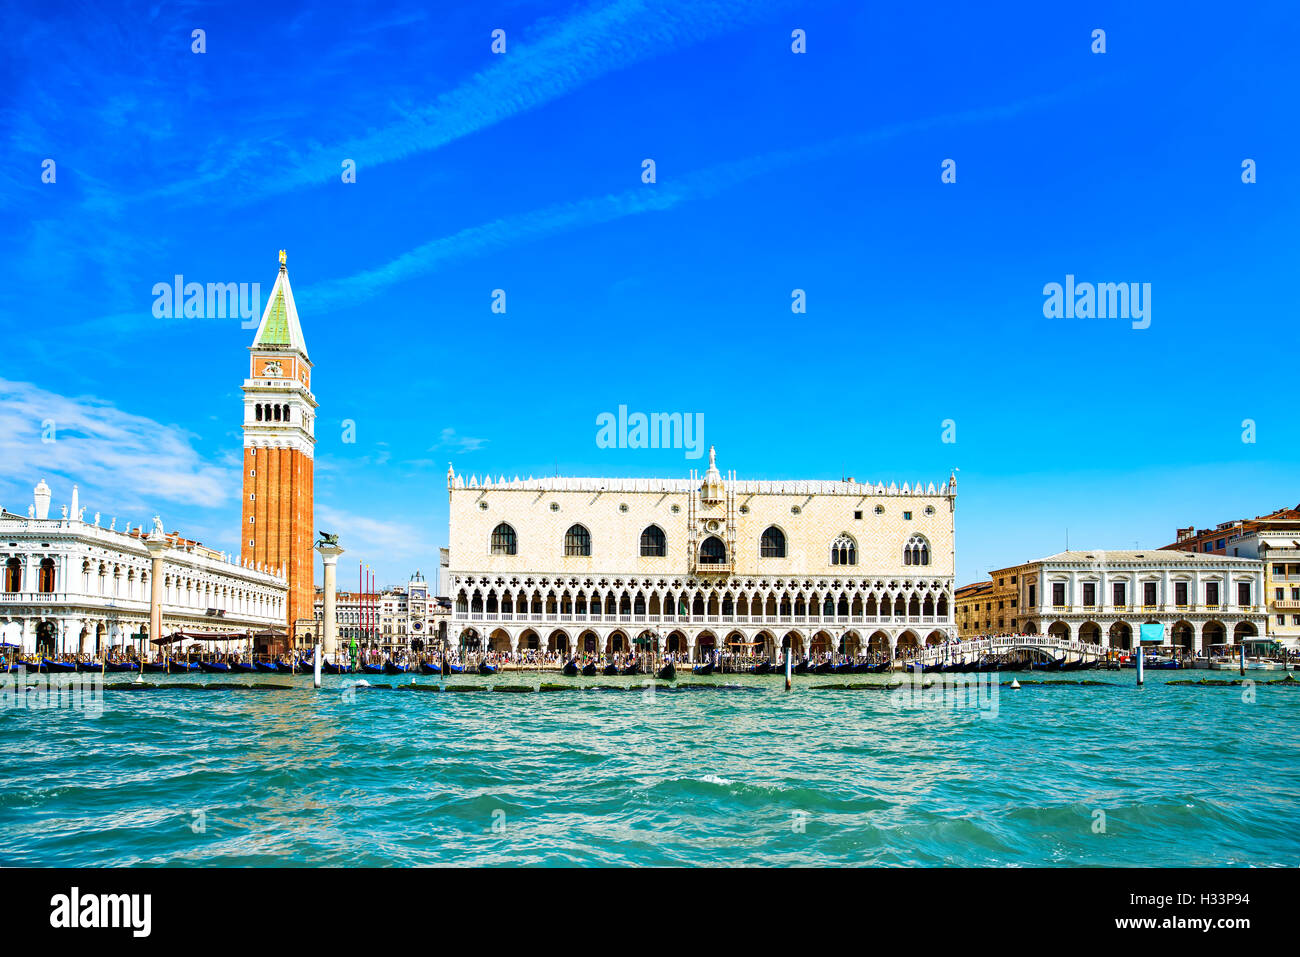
(279, 445)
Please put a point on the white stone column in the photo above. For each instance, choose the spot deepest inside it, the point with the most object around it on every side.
(329, 556)
(158, 548)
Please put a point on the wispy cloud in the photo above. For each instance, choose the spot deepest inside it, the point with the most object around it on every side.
(448, 439)
(368, 538)
(701, 184)
(540, 66)
(133, 462)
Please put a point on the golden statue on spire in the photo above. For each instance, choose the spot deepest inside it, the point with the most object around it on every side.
(282, 257)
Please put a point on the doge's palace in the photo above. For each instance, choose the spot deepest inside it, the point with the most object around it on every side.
(699, 563)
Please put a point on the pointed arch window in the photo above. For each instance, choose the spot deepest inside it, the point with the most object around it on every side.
(577, 541)
(713, 552)
(844, 550)
(916, 551)
(772, 544)
(653, 542)
(503, 540)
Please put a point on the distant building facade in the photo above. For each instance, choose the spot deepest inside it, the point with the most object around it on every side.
(409, 618)
(71, 585)
(1274, 539)
(696, 564)
(1103, 597)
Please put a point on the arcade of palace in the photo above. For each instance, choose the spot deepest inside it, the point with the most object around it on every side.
(695, 564)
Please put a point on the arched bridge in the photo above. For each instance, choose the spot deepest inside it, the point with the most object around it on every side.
(973, 649)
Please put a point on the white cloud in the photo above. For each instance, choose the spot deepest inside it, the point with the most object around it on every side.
(448, 439)
(135, 461)
(372, 539)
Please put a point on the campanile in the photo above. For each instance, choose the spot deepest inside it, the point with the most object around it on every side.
(279, 444)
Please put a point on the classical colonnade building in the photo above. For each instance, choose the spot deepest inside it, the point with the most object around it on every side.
(70, 585)
(598, 565)
(1103, 597)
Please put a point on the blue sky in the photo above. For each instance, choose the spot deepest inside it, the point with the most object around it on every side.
(775, 171)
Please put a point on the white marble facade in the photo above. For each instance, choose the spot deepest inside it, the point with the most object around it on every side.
(1104, 596)
(592, 564)
(70, 584)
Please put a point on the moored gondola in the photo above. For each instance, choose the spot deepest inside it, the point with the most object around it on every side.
(845, 668)
(428, 669)
(393, 668)
(372, 669)
(268, 667)
(242, 667)
(611, 669)
(633, 669)
(764, 667)
(667, 673)
(570, 669)
(486, 669)
(704, 669)
(52, 667)
(450, 669)
(589, 669)
(122, 666)
(801, 667)
(214, 667)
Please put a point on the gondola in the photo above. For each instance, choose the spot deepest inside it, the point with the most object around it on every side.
(53, 667)
(372, 669)
(122, 666)
(486, 669)
(589, 669)
(449, 669)
(392, 668)
(425, 668)
(569, 670)
(845, 668)
(881, 668)
(242, 667)
(705, 669)
(13, 668)
(633, 669)
(214, 667)
(155, 667)
(863, 668)
(87, 667)
(764, 667)
(183, 666)
(667, 673)
(268, 667)
(330, 668)
(611, 669)
(801, 668)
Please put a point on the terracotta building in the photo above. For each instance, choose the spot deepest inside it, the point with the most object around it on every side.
(1274, 539)
(279, 443)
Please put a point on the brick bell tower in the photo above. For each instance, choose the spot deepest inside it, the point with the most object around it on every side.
(279, 444)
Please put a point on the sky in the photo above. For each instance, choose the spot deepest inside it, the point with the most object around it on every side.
(924, 347)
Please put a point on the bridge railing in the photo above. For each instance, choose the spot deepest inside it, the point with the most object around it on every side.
(1004, 644)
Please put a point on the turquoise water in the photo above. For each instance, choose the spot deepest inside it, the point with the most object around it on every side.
(738, 772)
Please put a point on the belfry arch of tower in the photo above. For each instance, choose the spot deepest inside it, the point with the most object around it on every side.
(276, 530)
